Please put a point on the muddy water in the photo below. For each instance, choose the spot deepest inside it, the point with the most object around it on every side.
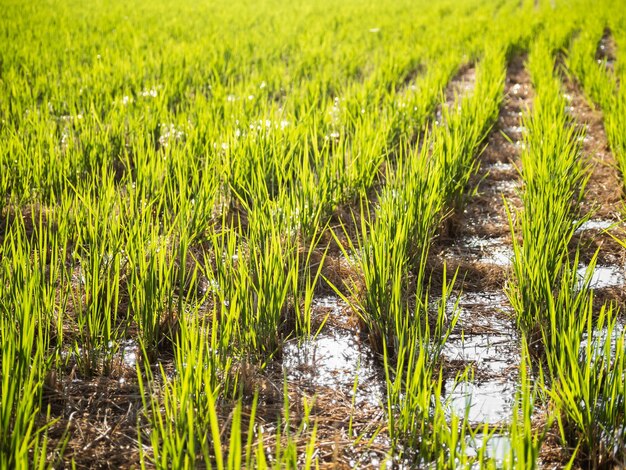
(129, 352)
(489, 402)
(485, 342)
(599, 339)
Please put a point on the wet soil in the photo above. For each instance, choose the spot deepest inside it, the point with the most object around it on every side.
(606, 51)
(477, 242)
(462, 83)
(338, 373)
(603, 199)
(100, 417)
(603, 195)
(337, 368)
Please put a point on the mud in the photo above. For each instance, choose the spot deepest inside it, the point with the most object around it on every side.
(462, 84)
(603, 196)
(101, 417)
(336, 373)
(478, 240)
(606, 51)
(603, 193)
(485, 342)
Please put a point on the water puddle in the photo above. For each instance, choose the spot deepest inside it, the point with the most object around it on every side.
(485, 339)
(487, 402)
(605, 52)
(519, 130)
(501, 167)
(519, 88)
(507, 186)
(327, 303)
(335, 360)
(489, 352)
(486, 299)
(482, 313)
(596, 225)
(496, 446)
(129, 353)
(599, 340)
(487, 250)
(603, 276)
(460, 87)
(464, 83)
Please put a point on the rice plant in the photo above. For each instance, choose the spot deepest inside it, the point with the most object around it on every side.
(186, 187)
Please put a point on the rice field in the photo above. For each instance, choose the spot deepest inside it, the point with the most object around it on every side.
(348, 234)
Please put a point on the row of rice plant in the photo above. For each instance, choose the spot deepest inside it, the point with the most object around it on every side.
(430, 180)
(247, 262)
(600, 83)
(127, 174)
(270, 321)
(580, 360)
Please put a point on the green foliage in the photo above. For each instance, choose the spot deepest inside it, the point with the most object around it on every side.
(172, 174)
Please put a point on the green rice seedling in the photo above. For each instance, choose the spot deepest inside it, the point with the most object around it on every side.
(314, 196)
(185, 420)
(24, 360)
(416, 414)
(96, 296)
(601, 86)
(466, 124)
(307, 276)
(554, 306)
(585, 362)
(220, 269)
(188, 403)
(526, 442)
(597, 83)
(192, 193)
(268, 279)
(151, 288)
(255, 279)
(401, 223)
(554, 178)
(186, 161)
(50, 251)
(411, 207)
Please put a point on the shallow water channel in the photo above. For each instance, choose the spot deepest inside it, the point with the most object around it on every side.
(486, 341)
